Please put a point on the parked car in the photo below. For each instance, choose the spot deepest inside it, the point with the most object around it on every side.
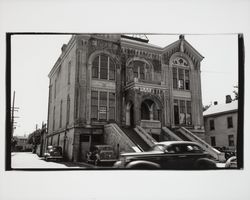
(231, 162)
(100, 154)
(227, 152)
(53, 153)
(169, 155)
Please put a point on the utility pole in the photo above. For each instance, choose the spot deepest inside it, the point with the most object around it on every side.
(13, 109)
(13, 126)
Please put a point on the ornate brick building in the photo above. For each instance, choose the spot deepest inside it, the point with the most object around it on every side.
(103, 84)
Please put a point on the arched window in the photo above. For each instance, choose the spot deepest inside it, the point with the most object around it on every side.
(141, 70)
(181, 72)
(103, 67)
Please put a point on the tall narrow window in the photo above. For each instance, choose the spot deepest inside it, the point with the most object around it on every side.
(182, 112)
(229, 122)
(187, 84)
(211, 124)
(189, 116)
(94, 105)
(175, 80)
(77, 96)
(78, 66)
(181, 74)
(103, 106)
(68, 110)
(135, 72)
(142, 72)
(213, 141)
(69, 72)
(111, 106)
(181, 79)
(111, 70)
(104, 67)
(95, 67)
(231, 140)
(60, 122)
(55, 85)
(54, 110)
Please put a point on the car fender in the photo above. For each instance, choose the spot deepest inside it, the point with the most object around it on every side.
(142, 164)
(205, 163)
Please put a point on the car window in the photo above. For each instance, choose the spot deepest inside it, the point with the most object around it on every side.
(185, 148)
(158, 148)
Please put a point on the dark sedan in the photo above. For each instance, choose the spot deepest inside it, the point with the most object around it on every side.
(168, 155)
(53, 153)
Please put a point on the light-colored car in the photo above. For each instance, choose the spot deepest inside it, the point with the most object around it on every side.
(100, 154)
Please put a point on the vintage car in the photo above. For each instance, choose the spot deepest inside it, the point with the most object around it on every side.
(231, 162)
(100, 154)
(53, 153)
(169, 155)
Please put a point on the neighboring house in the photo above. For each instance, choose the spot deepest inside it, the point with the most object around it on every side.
(122, 80)
(220, 122)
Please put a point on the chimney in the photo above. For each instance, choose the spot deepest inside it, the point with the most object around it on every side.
(215, 103)
(181, 37)
(228, 99)
(63, 47)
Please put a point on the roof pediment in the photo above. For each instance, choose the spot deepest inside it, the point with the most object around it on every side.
(184, 46)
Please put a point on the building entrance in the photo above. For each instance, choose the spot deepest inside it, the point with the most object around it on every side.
(150, 110)
(130, 114)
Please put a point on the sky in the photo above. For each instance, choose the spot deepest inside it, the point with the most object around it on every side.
(33, 56)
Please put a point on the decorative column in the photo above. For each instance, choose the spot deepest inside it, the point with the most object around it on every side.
(137, 108)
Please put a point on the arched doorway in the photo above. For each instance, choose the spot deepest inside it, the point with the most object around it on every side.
(151, 117)
(145, 111)
(130, 114)
(150, 110)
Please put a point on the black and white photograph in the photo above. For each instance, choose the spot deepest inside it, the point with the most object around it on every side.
(124, 101)
(140, 100)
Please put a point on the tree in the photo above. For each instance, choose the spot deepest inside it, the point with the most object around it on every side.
(206, 107)
(236, 93)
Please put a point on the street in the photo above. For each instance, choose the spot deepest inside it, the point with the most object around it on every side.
(28, 160)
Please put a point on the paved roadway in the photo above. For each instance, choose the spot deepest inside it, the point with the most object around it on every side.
(29, 160)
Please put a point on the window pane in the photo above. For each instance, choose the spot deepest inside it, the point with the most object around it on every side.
(103, 113)
(95, 67)
(94, 98)
(136, 71)
(213, 141)
(187, 84)
(111, 99)
(211, 123)
(94, 110)
(104, 67)
(229, 122)
(103, 98)
(111, 70)
(142, 74)
(181, 78)
(182, 106)
(112, 113)
(231, 140)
